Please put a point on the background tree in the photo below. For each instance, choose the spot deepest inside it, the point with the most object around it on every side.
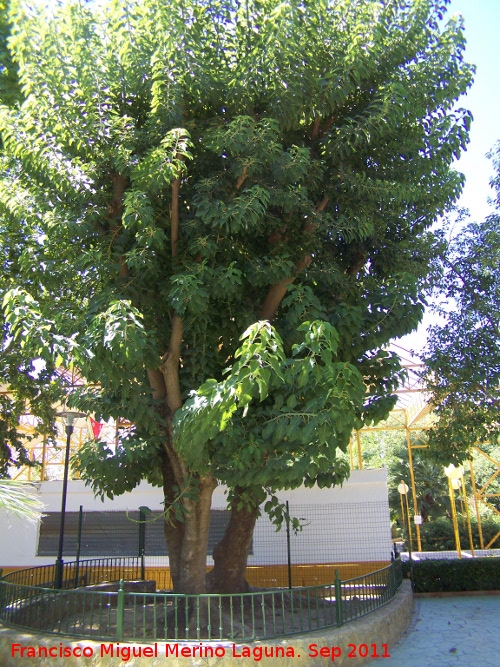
(10, 93)
(390, 450)
(182, 174)
(20, 391)
(463, 354)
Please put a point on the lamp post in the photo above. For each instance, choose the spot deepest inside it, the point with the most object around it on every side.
(69, 416)
(403, 491)
(454, 474)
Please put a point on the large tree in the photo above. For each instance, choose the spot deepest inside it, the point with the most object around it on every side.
(217, 212)
(463, 351)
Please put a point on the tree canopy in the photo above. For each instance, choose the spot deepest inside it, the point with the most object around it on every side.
(218, 212)
(463, 353)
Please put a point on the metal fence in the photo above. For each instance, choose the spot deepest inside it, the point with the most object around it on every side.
(352, 537)
(117, 611)
(81, 572)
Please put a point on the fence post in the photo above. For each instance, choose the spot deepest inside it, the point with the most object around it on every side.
(142, 540)
(338, 599)
(288, 549)
(120, 611)
(78, 546)
(394, 573)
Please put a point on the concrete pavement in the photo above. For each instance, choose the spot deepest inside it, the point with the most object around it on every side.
(458, 631)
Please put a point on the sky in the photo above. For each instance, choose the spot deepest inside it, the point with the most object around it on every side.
(482, 31)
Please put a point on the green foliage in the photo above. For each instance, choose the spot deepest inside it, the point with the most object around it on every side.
(438, 535)
(486, 462)
(10, 92)
(390, 450)
(275, 421)
(20, 500)
(185, 161)
(442, 576)
(113, 471)
(32, 388)
(462, 358)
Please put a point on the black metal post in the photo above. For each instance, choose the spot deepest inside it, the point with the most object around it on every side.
(142, 541)
(78, 545)
(288, 549)
(59, 561)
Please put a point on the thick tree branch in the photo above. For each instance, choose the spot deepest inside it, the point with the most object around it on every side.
(179, 468)
(174, 216)
(318, 130)
(323, 204)
(115, 212)
(165, 380)
(242, 178)
(170, 362)
(278, 291)
(358, 263)
(157, 384)
(170, 365)
(329, 122)
(115, 208)
(315, 129)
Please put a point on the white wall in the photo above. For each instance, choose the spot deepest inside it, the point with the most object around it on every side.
(340, 525)
(344, 524)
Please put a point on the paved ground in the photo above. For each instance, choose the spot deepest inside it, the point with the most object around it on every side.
(450, 632)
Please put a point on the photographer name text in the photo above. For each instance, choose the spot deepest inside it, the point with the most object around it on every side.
(199, 650)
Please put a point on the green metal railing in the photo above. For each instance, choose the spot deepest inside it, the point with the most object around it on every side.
(124, 614)
(80, 572)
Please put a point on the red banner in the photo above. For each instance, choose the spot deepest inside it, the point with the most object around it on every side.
(96, 428)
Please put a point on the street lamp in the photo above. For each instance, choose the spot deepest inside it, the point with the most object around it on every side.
(403, 491)
(68, 417)
(454, 475)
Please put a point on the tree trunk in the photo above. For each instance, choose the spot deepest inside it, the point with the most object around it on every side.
(172, 528)
(187, 540)
(186, 537)
(231, 553)
(192, 577)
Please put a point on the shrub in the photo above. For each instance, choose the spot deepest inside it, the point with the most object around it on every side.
(438, 535)
(439, 576)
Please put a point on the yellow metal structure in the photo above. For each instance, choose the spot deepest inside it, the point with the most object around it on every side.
(467, 514)
(482, 495)
(451, 491)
